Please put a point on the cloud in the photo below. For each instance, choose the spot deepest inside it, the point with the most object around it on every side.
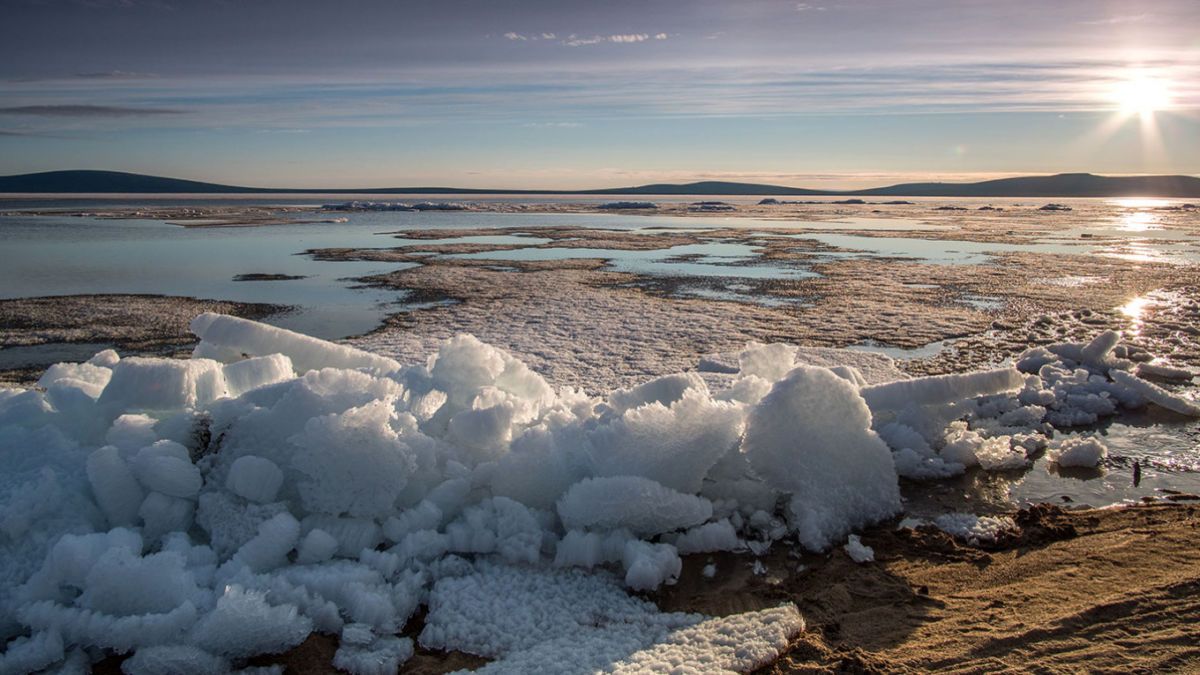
(617, 38)
(553, 125)
(808, 7)
(89, 111)
(1117, 20)
(515, 36)
(111, 75)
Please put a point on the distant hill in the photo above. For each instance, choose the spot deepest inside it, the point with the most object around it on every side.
(708, 188)
(1061, 185)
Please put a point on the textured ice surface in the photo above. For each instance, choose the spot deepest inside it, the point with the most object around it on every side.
(1085, 452)
(811, 437)
(631, 502)
(194, 513)
(858, 551)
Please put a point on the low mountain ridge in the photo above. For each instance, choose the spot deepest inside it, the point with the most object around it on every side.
(1059, 185)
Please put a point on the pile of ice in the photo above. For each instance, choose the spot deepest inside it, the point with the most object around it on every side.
(194, 513)
(1058, 386)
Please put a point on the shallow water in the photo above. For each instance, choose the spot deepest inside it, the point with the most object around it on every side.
(688, 260)
(934, 251)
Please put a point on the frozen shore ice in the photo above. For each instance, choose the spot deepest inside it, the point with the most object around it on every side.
(194, 513)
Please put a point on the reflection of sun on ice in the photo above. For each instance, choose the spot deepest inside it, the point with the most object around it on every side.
(1134, 309)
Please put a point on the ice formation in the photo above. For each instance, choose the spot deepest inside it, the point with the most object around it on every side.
(1084, 452)
(194, 513)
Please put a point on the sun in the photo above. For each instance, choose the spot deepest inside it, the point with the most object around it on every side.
(1142, 93)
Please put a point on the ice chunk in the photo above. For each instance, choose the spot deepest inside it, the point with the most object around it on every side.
(588, 549)
(117, 492)
(1087, 452)
(1164, 372)
(665, 390)
(675, 446)
(85, 376)
(140, 383)
(254, 478)
(1095, 352)
(975, 529)
(242, 376)
(174, 660)
(306, 353)
(352, 534)
(383, 656)
(541, 464)
(162, 513)
(707, 538)
(498, 524)
(120, 633)
(245, 624)
(740, 643)
(123, 583)
(353, 462)
(424, 516)
(32, 654)
(811, 436)
(230, 521)
(131, 432)
(858, 551)
(648, 566)
(160, 469)
(998, 454)
(638, 504)
(938, 389)
(770, 362)
(1156, 394)
(317, 546)
(105, 359)
(269, 548)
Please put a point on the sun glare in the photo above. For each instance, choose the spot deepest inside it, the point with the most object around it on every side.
(1142, 94)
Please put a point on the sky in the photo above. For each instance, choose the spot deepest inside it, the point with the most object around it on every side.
(563, 94)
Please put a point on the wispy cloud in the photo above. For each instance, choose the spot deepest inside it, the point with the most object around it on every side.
(111, 75)
(617, 38)
(808, 7)
(1117, 20)
(87, 111)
